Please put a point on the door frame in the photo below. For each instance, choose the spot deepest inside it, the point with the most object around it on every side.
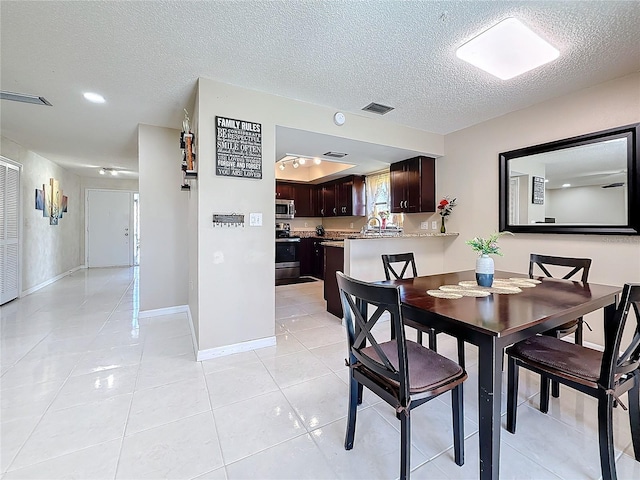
(86, 221)
(20, 218)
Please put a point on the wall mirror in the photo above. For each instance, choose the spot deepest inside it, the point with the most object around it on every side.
(585, 184)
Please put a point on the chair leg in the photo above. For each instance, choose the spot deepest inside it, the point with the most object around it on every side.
(555, 389)
(433, 342)
(578, 334)
(461, 360)
(405, 444)
(634, 415)
(354, 388)
(544, 393)
(360, 392)
(419, 337)
(512, 394)
(605, 436)
(457, 410)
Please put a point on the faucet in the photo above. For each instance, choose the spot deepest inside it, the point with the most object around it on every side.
(379, 223)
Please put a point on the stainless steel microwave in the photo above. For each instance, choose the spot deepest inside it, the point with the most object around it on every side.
(285, 209)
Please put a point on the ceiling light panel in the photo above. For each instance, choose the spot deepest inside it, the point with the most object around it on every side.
(93, 97)
(507, 50)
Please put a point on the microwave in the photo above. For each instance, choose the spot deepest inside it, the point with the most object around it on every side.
(285, 209)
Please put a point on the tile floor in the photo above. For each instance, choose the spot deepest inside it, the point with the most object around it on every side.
(88, 391)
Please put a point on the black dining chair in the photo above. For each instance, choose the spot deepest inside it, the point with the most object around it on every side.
(403, 373)
(397, 265)
(603, 375)
(577, 265)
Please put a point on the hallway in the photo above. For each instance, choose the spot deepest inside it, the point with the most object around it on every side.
(91, 392)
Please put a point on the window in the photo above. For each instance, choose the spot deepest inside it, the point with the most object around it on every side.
(378, 197)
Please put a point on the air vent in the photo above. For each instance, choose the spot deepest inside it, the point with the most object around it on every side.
(335, 154)
(377, 108)
(613, 185)
(20, 97)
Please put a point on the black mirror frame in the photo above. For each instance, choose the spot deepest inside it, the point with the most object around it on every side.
(631, 132)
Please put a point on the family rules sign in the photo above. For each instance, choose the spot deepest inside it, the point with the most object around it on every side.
(238, 148)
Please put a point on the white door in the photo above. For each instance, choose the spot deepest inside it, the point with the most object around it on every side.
(9, 253)
(109, 228)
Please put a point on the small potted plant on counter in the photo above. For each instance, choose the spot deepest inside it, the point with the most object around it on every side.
(484, 264)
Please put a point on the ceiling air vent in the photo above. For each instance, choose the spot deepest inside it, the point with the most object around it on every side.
(335, 154)
(377, 108)
(20, 97)
(613, 185)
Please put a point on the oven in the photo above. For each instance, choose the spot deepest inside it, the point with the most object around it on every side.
(287, 257)
(285, 209)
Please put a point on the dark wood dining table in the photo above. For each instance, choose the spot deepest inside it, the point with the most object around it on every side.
(495, 322)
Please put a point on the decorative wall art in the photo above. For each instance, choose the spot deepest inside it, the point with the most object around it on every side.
(51, 201)
(238, 148)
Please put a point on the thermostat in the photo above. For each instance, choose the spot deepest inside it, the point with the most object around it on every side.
(339, 119)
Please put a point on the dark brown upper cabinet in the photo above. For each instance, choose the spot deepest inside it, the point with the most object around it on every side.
(413, 185)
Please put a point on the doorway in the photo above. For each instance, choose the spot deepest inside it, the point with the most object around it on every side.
(111, 236)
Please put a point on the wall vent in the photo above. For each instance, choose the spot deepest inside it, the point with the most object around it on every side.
(335, 154)
(21, 97)
(377, 108)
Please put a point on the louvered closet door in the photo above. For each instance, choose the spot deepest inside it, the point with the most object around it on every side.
(9, 202)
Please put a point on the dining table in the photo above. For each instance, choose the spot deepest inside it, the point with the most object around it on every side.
(494, 322)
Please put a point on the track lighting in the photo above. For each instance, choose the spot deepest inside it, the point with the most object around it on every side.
(296, 161)
(105, 170)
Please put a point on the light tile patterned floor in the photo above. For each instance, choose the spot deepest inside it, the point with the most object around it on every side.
(88, 391)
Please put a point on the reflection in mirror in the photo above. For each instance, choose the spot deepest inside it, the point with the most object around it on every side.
(586, 184)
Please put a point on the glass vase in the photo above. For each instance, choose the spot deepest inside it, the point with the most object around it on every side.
(443, 229)
(484, 270)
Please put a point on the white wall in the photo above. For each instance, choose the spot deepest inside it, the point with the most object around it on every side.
(470, 169)
(236, 265)
(588, 205)
(46, 250)
(163, 220)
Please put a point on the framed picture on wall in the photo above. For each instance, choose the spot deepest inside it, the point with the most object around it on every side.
(537, 191)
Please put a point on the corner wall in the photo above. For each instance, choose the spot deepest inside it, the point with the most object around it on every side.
(163, 220)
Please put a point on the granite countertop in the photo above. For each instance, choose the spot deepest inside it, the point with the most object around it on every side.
(337, 244)
(340, 235)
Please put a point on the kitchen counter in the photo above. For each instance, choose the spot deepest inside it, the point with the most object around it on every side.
(333, 243)
(340, 235)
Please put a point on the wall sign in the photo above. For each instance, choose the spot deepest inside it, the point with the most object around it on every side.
(238, 148)
(538, 191)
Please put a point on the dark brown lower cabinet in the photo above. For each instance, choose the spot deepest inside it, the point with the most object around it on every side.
(333, 262)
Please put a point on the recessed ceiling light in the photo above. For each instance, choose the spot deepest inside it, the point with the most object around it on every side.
(114, 173)
(546, 180)
(565, 185)
(507, 50)
(101, 171)
(317, 161)
(94, 97)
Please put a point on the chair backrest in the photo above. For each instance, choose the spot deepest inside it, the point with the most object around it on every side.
(405, 259)
(363, 305)
(576, 264)
(616, 366)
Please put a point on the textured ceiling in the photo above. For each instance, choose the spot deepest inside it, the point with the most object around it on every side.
(145, 57)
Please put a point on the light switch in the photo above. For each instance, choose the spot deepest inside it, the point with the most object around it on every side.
(434, 225)
(255, 219)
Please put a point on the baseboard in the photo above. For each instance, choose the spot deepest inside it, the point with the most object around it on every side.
(594, 346)
(210, 353)
(164, 311)
(50, 281)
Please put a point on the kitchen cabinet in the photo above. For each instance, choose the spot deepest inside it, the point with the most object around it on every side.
(302, 195)
(284, 191)
(413, 185)
(344, 197)
(312, 257)
(303, 199)
(334, 262)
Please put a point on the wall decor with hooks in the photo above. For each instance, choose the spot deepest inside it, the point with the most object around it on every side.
(228, 220)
